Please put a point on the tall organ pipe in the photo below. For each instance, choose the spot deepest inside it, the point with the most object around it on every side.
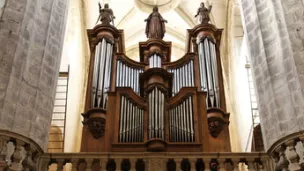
(209, 72)
(101, 73)
(156, 113)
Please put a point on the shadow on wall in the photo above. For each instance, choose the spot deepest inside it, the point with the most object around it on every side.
(55, 139)
(257, 141)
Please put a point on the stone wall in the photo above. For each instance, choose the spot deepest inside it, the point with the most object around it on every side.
(274, 29)
(31, 35)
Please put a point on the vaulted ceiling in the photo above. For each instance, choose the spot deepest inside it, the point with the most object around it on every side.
(130, 16)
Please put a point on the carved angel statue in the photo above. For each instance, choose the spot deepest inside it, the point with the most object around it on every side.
(203, 13)
(155, 27)
(106, 15)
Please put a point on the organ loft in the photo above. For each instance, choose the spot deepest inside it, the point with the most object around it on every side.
(155, 105)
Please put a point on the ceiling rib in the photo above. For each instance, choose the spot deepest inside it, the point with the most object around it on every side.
(184, 16)
(129, 15)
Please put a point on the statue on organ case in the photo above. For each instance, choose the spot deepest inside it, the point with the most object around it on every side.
(106, 15)
(155, 27)
(203, 13)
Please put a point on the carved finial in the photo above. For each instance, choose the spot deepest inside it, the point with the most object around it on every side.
(106, 15)
(203, 13)
(155, 27)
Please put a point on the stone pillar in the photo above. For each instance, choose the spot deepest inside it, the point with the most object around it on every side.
(31, 36)
(275, 33)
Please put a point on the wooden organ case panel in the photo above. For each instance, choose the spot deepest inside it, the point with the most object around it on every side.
(155, 104)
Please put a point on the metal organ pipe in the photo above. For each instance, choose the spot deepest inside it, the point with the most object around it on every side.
(150, 116)
(127, 76)
(181, 122)
(101, 73)
(215, 72)
(203, 76)
(162, 116)
(183, 76)
(209, 72)
(155, 61)
(156, 120)
(130, 122)
(156, 113)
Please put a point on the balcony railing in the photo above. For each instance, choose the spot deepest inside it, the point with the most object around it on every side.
(162, 161)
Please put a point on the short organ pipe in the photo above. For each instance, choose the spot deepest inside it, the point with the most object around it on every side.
(183, 76)
(181, 122)
(130, 121)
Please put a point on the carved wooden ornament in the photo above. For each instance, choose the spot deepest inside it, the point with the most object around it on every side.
(97, 126)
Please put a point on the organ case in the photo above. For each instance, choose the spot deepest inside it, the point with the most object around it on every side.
(155, 104)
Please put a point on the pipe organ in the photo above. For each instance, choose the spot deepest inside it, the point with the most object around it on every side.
(155, 104)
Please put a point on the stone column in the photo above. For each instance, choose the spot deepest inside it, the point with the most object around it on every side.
(31, 36)
(275, 33)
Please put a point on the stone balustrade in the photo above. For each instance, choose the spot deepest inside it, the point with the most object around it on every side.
(288, 152)
(150, 161)
(18, 152)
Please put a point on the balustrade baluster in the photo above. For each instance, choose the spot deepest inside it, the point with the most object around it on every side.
(103, 165)
(236, 165)
(258, 165)
(52, 165)
(228, 165)
(193, 164)
(292, 156)
(133, 164)
(30, 161)
(3, 151)
(118, 164)
(302, 155)
(178, 162)
(251, 165)
(282, 163)
(19, 155)
(74, 163)
(221, 165)
(60, 164)
(88, 164)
